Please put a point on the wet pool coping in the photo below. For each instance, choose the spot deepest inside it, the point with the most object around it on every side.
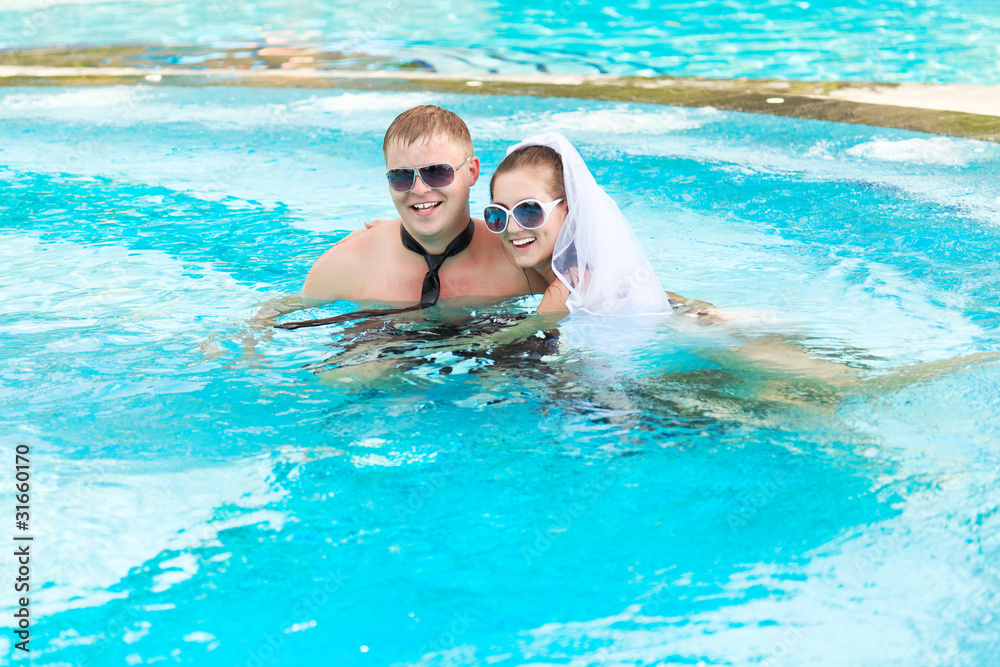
(959, 110)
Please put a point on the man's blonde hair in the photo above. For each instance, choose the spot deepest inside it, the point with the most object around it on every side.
(426, 121)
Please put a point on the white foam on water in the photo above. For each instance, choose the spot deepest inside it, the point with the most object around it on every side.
(175, 570)
(236, 178)
(106, 304)
(233, 177)
(73, 283)
(348, 103)
(929, 170)
(250, 166)
(92, 521)
(390, 459)
(916, 588)
(937, 150)
(128, 106)
(75, 101)
(36, 5)
(893, 316)
(624, 120)
(889, 314)
(601, 123)
(860, 587)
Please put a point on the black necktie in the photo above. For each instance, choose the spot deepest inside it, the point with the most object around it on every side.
(428, 295)
(432, 284)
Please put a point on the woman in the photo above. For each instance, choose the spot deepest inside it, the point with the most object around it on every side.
(553, 216)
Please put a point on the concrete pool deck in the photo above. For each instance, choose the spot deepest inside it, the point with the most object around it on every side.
(959, 110)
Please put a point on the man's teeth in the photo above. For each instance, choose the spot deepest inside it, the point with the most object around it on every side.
(424, 207)
(522, 242)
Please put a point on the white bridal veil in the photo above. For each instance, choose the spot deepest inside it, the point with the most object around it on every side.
(597, 255)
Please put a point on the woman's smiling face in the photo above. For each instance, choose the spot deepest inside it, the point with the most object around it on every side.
(530, 248)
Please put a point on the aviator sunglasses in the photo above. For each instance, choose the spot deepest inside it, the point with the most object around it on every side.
(434, 176)
(529, 213)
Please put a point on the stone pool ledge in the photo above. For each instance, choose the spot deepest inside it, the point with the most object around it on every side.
(955, 110)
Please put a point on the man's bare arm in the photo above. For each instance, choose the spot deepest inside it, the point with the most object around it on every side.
(286, 304)
(334, 274)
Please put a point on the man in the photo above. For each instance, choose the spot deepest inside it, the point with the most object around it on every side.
(434, 249)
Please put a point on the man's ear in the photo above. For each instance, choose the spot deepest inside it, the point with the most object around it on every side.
(474, 167)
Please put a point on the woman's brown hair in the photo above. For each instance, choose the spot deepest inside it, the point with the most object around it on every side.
(541, 157)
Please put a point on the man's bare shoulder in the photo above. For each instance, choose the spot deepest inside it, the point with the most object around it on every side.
(489, 250)
(486, 242)
(340, 272)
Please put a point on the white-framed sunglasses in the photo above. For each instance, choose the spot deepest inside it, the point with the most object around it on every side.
(529, 214)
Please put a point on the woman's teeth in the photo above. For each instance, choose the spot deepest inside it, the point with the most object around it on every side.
(428, 205)
(520, 243)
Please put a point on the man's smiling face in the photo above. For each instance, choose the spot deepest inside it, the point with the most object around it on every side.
(433, 215)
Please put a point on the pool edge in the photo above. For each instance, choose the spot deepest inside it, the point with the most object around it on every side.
(933, 108)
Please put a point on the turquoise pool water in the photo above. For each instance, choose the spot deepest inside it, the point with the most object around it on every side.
(652, 500)
(948, 41)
